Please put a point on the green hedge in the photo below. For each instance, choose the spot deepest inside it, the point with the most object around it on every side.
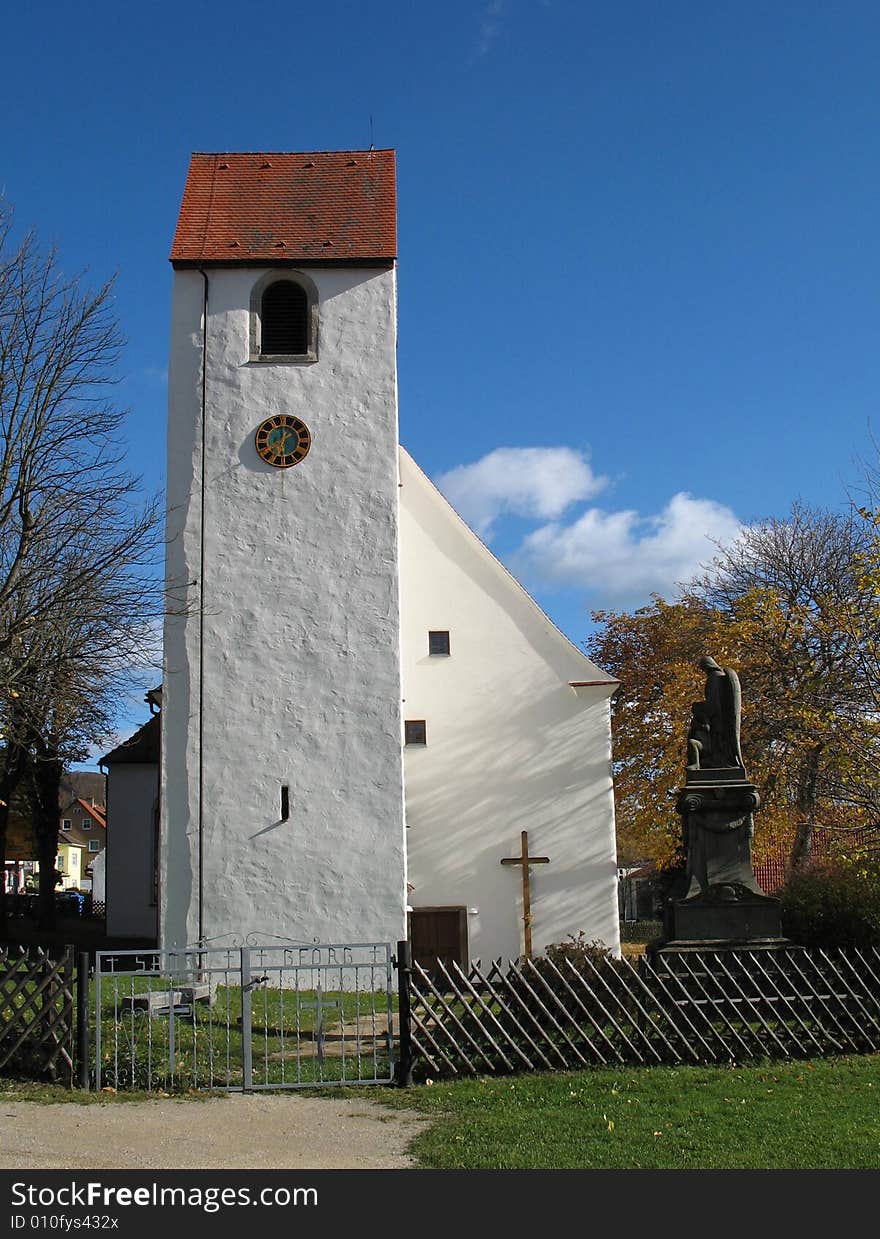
(833, 902)
(640, 931)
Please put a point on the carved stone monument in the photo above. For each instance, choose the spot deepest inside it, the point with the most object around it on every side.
(718, 902)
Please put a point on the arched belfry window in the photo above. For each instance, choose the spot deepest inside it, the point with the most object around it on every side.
(284, 320)
(284, 317)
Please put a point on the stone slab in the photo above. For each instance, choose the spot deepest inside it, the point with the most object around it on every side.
(182, 997)
(746, 920)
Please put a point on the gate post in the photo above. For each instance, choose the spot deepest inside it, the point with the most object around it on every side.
(403, 1073)
(247, 1061)
(82, 1020)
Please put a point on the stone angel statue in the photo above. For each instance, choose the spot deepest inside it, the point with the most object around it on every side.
(713, 739)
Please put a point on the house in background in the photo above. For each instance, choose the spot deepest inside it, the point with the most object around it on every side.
(638, 891)
(773, 871)
(22, 866)
(69, 864)
(130, 862)
(81, 799)
(81, 839)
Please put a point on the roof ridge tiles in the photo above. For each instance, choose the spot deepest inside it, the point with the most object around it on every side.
(354, 150)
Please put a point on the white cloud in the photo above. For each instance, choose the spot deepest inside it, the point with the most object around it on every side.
(540, 482)
(155, 376)
(490, 26)
(624, 556)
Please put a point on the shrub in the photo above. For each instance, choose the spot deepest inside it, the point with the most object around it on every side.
(640, 931)
(833, 902)
(577, 949)
(592, 960)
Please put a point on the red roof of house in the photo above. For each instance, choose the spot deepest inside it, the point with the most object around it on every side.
(327, 207)
(98, 812)
(771, 874)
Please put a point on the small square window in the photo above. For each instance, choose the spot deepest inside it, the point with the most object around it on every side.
(86, 824)
(65, 823)
(94, 845)
(438, 643)
(415, 731)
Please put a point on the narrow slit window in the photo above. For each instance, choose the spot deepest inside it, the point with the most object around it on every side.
(438, 643)
(415, 731)
(285, 802)
(284, 320)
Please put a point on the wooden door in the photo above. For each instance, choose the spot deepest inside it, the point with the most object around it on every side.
(439, 933)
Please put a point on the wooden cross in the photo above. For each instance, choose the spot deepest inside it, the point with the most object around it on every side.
(525, 860)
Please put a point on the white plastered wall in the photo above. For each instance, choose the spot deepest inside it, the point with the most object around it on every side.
(300, 662)
(99, 877)
(510, 745)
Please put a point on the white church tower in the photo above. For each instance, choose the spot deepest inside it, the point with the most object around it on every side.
(281, 768)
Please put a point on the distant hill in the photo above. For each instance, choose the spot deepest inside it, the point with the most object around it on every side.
(88, 785)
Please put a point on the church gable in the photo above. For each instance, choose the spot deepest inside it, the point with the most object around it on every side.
(463, 561)
(507, 749)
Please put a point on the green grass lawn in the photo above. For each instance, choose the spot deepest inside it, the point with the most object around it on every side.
(823, 1113)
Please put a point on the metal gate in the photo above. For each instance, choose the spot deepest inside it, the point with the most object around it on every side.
(244, 1017)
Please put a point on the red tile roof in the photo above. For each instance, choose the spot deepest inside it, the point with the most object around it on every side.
(327, 207)
(771, 874)
(98, 812)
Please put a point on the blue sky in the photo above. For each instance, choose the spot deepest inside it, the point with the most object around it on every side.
(638, 262)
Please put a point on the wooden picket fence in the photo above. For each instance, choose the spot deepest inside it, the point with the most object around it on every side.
(36, 1013)
(700, 1007)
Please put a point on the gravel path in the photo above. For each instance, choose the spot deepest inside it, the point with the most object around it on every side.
(253, 1132)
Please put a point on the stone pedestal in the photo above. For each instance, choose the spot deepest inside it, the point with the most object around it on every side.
(719, 903)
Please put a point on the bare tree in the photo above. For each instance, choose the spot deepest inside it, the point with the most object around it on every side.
(79, 591)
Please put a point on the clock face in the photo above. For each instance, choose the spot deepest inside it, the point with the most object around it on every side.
(283, 440)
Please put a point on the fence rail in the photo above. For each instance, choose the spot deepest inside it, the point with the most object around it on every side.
(699, 1007)
(36, 1014)
(68, 904)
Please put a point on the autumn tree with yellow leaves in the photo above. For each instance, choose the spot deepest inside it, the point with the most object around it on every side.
(792, 607)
